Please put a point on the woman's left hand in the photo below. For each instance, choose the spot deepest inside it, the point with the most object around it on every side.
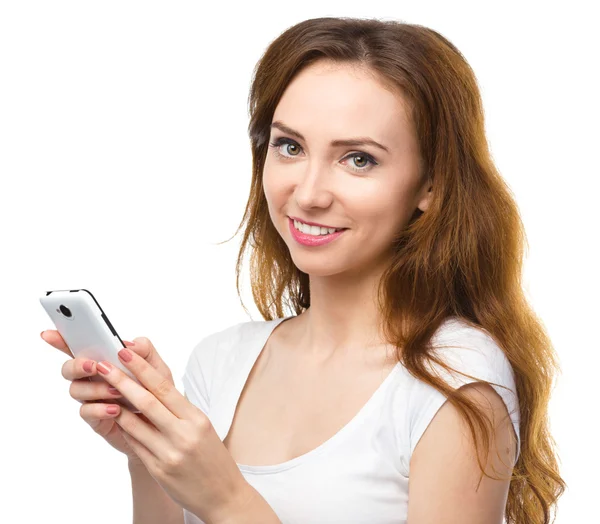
(182, 451)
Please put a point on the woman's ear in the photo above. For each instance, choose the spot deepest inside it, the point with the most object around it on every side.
(426, 196)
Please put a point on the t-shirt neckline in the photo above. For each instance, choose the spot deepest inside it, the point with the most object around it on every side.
(269, 327)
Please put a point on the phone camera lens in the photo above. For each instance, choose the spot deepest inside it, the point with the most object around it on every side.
(65, 311)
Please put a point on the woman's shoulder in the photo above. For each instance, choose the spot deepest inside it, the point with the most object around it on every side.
(216, 357)
(459, 339)
(230, 341)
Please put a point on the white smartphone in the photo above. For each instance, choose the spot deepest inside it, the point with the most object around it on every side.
(86, 330)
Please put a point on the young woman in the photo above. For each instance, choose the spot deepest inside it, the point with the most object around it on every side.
(411, 381)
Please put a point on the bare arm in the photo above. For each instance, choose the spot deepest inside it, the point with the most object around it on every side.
(444, 472)
(151, 505)
(253, 508)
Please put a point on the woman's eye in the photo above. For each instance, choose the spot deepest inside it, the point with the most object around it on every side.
(294, 146)
(283, 141)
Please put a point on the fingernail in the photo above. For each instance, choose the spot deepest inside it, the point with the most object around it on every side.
(42, 333)
(104, 367)
(88, 365)
(114, 391)
(125, 355)
(129, 344)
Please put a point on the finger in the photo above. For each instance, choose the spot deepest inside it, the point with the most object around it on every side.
(83, 389)
(139, 449)
(163, 390)
(139, 396)
(144, 348)
(53, 337)
(95, 413)
(142, 437)
(76, 368)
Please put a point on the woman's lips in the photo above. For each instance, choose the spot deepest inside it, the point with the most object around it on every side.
(312, 240)
(314, 223)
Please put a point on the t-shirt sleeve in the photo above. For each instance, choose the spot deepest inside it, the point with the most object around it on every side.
(473, 352)
(197, 376)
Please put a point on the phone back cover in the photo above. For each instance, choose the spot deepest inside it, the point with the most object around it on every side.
(88, 332)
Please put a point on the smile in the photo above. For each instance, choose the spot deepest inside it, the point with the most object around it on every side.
(314, 230)
(320, 237)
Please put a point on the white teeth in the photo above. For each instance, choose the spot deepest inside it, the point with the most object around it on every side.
(314, 230)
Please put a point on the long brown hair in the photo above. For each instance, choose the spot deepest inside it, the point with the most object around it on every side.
(462, 257)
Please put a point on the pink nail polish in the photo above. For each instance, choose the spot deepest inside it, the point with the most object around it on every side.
(125, 355)
(128, 344)
(104, 367)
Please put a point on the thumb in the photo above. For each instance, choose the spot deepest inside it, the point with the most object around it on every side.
(145, 349)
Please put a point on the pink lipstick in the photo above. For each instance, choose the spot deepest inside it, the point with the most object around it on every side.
(312, 240)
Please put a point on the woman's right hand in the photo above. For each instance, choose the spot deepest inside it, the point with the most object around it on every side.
(95, 397)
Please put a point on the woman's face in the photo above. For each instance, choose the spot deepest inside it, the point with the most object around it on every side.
(339, 185)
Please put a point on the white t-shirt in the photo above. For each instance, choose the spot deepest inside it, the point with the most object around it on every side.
(360, 475)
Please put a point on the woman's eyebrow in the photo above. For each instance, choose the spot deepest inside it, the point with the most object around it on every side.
(359, 141)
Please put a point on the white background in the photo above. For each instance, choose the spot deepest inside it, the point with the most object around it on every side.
(124, 159)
